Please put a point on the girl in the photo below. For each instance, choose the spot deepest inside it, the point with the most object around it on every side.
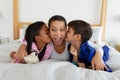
(36, 40)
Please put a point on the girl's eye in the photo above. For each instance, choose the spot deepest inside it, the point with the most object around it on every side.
(46, 32)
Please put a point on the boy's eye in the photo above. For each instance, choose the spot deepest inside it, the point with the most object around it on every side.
(47, 32)
(67, 31)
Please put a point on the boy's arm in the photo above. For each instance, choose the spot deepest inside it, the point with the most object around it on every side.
(73, 51)
(97, 62)
(21, 53)
(97, 47)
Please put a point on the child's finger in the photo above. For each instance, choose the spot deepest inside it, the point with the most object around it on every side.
(93, 66)
(22, 61)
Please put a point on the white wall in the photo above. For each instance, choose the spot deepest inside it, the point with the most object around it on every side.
(6, 18)
(32, 10)
(113, 21)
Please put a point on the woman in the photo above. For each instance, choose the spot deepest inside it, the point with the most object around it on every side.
(58, 28)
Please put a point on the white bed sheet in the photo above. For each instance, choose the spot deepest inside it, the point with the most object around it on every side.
(53, 69)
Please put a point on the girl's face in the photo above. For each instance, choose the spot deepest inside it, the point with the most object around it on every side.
(44, 35)
(58, 32)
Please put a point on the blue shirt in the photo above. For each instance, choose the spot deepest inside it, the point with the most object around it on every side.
(87, 52)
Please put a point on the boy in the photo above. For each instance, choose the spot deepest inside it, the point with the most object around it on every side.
(81, 53)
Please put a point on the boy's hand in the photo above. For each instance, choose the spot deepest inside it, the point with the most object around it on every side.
(73, 50)
(97, 62)
(81, 64)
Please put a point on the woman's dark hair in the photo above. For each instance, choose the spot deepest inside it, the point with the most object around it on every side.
(31, 31)
(57, 18)
(81, 27)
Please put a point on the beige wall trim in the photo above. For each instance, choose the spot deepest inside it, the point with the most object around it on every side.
(103, 17)
(15, 19)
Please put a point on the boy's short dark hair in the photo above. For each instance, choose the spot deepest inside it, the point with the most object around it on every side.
(81, 27)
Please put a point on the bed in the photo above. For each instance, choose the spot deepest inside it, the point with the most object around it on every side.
(53, 69)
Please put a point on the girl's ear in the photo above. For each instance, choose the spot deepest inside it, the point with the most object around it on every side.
(37, 38)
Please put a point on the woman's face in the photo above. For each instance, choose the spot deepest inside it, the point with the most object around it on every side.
(58, 32)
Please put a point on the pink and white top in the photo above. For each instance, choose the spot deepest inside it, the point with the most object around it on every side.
(34, 48)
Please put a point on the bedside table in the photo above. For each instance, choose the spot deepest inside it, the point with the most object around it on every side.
(4, 40)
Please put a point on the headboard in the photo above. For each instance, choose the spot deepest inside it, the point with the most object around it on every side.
(18, 23)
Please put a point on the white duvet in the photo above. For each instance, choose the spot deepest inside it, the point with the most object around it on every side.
(53, 69)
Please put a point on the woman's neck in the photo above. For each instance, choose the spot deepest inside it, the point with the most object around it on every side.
(60, 48)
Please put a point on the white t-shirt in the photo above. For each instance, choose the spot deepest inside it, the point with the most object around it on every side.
(64, 56)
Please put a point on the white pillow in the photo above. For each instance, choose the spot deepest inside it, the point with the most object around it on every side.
(97, 34)
(22, 32)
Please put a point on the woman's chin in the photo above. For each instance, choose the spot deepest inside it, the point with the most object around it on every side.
(58, 43)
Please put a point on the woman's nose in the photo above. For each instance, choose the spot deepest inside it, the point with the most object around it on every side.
(58, 33)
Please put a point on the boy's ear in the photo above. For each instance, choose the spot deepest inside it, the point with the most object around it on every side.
(77, 37)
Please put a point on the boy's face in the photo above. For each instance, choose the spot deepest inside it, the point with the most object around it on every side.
(70, 36)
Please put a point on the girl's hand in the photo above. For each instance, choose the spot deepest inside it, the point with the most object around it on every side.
(97, 62)
(12, 54)
(73, 50)
(19, 56)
